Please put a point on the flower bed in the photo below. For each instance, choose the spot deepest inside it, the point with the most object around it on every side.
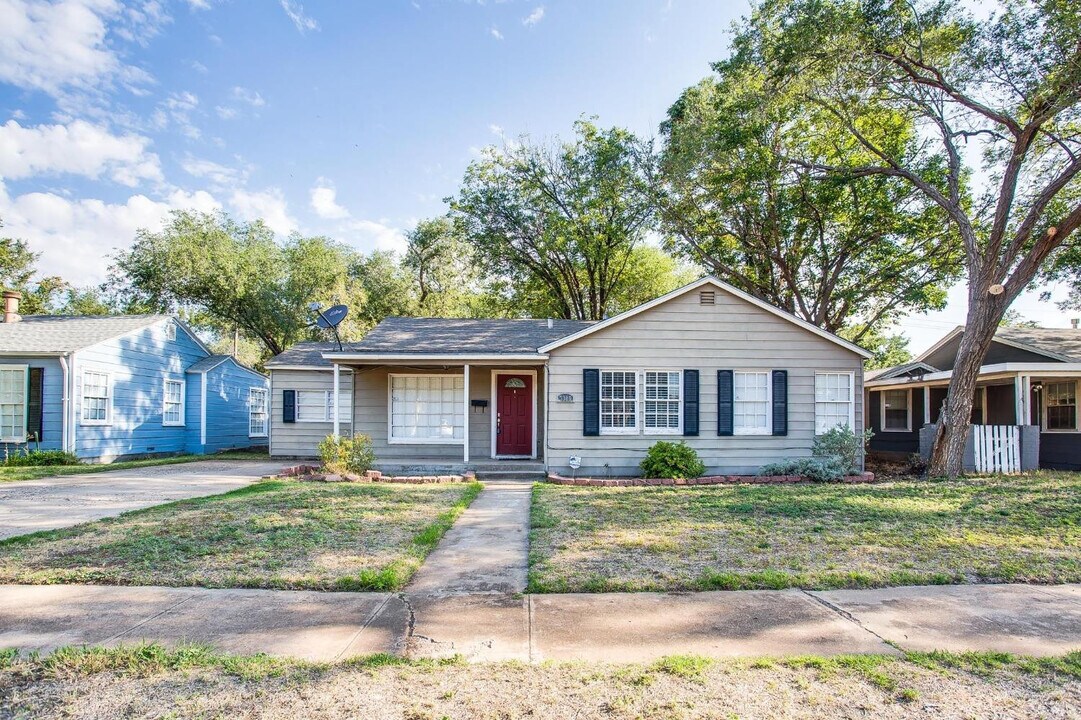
(315, 473)
(867, 477)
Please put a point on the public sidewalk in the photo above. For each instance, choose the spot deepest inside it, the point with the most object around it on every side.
(617, 627)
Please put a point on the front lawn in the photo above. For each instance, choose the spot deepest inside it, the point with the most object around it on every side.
(907, 532)
(11, 474)
(275, 534)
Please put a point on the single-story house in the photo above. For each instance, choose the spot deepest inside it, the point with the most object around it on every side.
(742, 382)
(1028, 381)
(108, 387)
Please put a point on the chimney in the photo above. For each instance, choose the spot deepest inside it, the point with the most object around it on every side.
(1074, 322)
(552, 323)
(11, 306)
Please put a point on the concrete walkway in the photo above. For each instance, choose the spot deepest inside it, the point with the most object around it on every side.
(28, 506)
(1036, 620)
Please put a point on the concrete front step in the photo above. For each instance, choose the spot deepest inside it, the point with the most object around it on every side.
(489, 475)
(490, 470)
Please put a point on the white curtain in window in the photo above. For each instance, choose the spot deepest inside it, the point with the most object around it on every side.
(427, 408)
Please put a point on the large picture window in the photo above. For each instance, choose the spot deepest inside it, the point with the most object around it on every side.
(427, 409)
(13, 403)
(751, 398)
(257, 412)
(96, 399)
(172, 410)
(663, 393)
(619, 402)
(896, 411)
(1060, 399)
(834, 401)
(318, 406)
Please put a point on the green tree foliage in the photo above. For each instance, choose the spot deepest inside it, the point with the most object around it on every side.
(998, 99)
(444, 272)
(556, 225)
(889, 349)
(852, 253)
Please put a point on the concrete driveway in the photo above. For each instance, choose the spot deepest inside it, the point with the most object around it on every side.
(32, 505)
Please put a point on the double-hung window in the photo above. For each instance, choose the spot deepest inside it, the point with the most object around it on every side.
(834, 401)
(427, 409)
(619, 402)
(751, 403)
(1060, 399)
(13, 403)
(318, 406)
(663, 391)
(97, 398)
(172, 406)
(257, 412)
(896, 410)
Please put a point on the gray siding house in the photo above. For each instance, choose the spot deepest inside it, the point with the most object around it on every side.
(741, 381)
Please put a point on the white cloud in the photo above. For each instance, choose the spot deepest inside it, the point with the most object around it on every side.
(249, 96)
(77, 148)
(199, 67)
(218, 175)
(54, 46)
(534, 17)
(76, 237)
(296, 13)
(366, 234)
(178, 109)
(494, 32)
(324, 200)
(226, 113)
(268, 205)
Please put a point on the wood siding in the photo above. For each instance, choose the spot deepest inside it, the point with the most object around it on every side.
(301, 439)
(227, 412)
(52, 404)
(682, 334)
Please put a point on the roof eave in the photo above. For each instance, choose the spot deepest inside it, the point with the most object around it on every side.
(339, 357)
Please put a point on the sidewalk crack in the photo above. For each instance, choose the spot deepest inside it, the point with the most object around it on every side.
(153, 617)
(362, 628)
(411, 625)
(847, 616)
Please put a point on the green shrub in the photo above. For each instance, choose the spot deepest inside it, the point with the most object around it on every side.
(38, 458)
(843, 444)
(813, 468)
(672, 460)
(347, 454)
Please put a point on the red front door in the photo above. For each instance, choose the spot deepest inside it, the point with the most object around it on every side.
(514, 414)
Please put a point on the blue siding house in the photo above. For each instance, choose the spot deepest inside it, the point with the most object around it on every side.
(122, 386)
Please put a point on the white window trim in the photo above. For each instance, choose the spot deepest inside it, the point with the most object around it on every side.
(26, 402)
(754, 432)
(851, 396)
(882, 412)
(637, 429)
(642, 412)
(170, 331)
(328, 407)
(183, 402)
(265, 412)
(109, 399)
(1043, 402)
(495, 373)
(391, 440)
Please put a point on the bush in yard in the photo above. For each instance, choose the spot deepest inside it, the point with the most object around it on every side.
(347, 454)
(820, 469)
(672, 460)
(39, 458)
(844, 445)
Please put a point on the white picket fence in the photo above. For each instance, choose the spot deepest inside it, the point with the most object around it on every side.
(997, 448)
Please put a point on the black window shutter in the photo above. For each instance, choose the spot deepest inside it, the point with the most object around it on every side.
(780, 402)
(289, 406)
(690, 402)
(35, 421)
(591, 402)
(725, 406)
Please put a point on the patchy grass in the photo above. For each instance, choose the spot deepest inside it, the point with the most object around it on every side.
(908, 532)
(13, 474)
(197, 681)
(273, 534)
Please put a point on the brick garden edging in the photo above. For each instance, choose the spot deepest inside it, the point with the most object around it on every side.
(862, 478)
(314, 473)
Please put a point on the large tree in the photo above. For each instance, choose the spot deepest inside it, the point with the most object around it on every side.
(560, 218)
(995, 100)
(444, 271)
(846, 254)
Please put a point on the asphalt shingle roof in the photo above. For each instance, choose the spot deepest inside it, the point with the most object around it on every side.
(208, 363)
(66, 333)
(463, 335)
(1065, 342)
(304, 354)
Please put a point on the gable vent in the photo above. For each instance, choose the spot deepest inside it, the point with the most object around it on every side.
(707, 297)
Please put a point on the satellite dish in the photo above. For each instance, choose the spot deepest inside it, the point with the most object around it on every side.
(332, 317)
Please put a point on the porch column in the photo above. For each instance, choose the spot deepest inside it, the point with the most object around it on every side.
(1021, 385)
(465, 415)
(334, 402)
(926, 404)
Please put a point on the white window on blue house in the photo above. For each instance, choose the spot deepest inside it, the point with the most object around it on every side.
(751, 394)
(427, 409)
(662, 413)
(97, 398)
(170, 330)
(172, 409)
(257, 412)
(13, 403)
(834, 401)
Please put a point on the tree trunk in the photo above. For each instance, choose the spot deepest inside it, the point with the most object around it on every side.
(984, 314)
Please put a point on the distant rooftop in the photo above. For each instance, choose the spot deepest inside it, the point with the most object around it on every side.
(463, 335)
(67, 333)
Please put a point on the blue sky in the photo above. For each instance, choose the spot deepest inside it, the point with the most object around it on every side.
(351, 119)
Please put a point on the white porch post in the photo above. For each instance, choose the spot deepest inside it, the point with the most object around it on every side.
(334, 403)
(926, 404)
(1021, 386)
(465, 414)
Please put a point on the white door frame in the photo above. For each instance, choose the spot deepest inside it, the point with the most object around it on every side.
(495, 410)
